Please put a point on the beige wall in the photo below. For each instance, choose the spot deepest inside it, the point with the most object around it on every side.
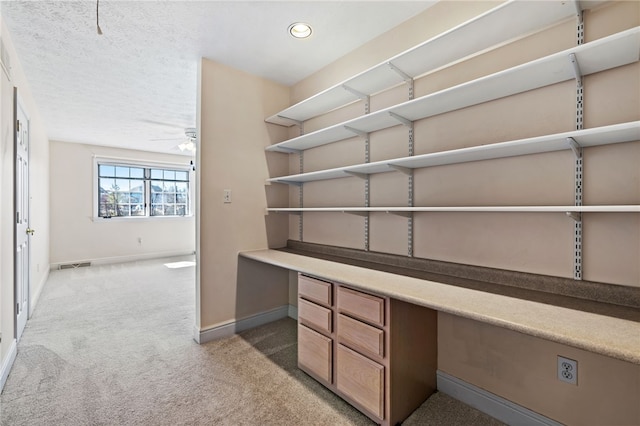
(233, 135)
(517, 367)
(538, 243)
(523, 369)
(39, 193)
(76, 236)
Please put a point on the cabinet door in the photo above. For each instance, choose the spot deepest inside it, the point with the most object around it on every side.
(314, 353)
(361, 380)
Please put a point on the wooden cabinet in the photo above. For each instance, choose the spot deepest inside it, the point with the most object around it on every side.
(361, 380)
(315, 353)
(377, 353)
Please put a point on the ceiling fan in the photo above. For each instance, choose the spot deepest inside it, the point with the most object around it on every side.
(188, 144)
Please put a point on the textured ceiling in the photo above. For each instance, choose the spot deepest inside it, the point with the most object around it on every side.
(136, 83)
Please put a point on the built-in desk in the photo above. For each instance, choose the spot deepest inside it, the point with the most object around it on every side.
(601, 334)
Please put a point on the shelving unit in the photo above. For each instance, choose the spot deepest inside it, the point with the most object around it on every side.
(617, 133)
(513, 209)
(510, 20)
(599, 55)
(504, 24)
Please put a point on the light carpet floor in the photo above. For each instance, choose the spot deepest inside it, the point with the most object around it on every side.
(112, 345)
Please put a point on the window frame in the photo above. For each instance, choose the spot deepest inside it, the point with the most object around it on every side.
(147, 165)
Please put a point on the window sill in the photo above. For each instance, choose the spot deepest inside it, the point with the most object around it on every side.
(138, 218)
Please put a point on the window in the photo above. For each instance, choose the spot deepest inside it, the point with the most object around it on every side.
(130, 190)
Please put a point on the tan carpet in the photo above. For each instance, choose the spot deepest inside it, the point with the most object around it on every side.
(113, 345)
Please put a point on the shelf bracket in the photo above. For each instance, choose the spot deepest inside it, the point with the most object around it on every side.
(575, 147)
(405, 170)
(357, 132)
(576, 69)
(403, 214)
(362, 214)
(406, 77)
(401, 119)
(577, 216)
(293, 120)
(292, 183)
(356, 93)
(285, 211)
(356, 174)
(576, 4)
(289, 150)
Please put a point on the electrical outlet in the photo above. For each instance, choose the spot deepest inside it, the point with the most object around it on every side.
(567, 370)
(226, 197)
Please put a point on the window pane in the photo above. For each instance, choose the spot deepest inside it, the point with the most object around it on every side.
(169, 187)
(170, 175)
(157, 210)
(156, 174)
(181, 198)
(169, 198)
(182, 186)
(122, 185)
(181, 209)
(137, 172)
(107, 185)
(105, 170)
(137, 186)
(123, 197)
(156, 186)
(137, 210)
(123, 210)
(182, 175)
(122, 171)
(137, 197)
(169, 210)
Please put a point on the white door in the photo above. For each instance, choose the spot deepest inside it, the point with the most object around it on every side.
(23, 232)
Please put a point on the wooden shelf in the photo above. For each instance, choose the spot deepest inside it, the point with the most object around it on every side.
(613, 51)
(499, 25)
(617, 133)
(507, 209)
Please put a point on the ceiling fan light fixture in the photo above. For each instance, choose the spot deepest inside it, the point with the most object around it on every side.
(300, 30)
(188, 145)
(190, 132)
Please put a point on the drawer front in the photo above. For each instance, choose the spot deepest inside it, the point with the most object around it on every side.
(315, 316)
(360, 336)
(316, 290)
(360, 305)
(314, 353)
(361, 380)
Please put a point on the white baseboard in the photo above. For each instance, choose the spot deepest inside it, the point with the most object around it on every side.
(491, 404)
(8, 363)
(124, 259)
(36, 296)
(232, 327)
(293, 312)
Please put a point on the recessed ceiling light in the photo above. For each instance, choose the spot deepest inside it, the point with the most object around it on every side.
(300, 30)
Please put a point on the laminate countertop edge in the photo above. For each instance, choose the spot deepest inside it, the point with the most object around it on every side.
(613, 337)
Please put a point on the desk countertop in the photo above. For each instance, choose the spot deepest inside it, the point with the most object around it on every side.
(614, 337)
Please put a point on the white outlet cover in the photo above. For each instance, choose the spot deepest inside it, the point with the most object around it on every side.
(567, 370)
